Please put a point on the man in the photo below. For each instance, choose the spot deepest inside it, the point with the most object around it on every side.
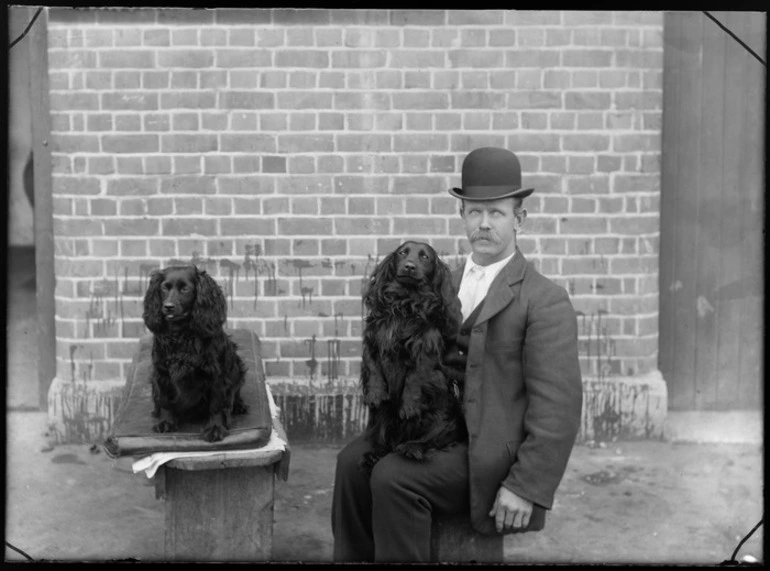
(522, 395)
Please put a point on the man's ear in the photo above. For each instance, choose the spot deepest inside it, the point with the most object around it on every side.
(522, 216)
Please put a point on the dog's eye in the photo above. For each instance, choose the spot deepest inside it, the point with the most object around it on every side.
(403, 252)
(424, 256)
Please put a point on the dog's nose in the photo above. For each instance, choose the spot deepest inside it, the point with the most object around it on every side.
(168, 305)
(409, 266)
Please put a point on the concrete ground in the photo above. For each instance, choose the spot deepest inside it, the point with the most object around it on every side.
(623, 502)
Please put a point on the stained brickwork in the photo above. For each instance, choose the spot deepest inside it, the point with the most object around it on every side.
(287, 151)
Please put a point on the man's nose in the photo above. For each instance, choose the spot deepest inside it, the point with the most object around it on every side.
(484, 223)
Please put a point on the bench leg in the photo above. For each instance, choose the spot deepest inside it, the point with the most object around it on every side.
(219, 515)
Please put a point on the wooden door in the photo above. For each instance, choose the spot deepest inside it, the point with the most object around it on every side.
(712, 211)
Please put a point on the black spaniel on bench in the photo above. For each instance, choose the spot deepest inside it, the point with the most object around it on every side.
(414, 400)
(197, 374)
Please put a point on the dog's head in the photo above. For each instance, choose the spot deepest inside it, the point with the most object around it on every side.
(413, 268)
(184, 297)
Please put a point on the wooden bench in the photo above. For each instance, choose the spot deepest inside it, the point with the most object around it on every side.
(453, 539)
(220, 507)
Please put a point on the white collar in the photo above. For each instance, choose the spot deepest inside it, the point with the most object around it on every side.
(491, 269)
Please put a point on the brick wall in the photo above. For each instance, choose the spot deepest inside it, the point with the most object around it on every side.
(287, 151)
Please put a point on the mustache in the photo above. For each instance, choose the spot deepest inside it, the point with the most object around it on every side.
(483, 235)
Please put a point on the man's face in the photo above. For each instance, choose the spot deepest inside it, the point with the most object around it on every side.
(491, 227)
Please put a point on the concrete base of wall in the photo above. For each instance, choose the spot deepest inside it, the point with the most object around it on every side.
(622, 408)
(740, 426)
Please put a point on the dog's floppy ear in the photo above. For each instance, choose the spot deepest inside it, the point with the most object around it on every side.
(209, 311)
(383, 274)
(153, 303)
(442, 282)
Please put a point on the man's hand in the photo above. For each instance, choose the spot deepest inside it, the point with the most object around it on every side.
(510, 511)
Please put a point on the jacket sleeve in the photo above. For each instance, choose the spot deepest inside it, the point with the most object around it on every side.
(554, 389)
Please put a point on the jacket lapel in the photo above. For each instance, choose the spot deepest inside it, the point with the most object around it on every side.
(501, 291)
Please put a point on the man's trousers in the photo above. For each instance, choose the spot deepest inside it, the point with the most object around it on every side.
(388, 517)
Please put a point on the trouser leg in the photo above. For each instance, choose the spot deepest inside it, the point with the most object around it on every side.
(404, 496)
(352, 506)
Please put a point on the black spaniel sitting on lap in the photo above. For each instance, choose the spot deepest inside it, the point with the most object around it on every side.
(197, 374)
(414, 399)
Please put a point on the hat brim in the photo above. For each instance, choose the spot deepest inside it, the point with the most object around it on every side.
(489, 193)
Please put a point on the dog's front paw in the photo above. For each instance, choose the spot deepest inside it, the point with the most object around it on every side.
(165, 426)
(214, 433)
(408, 410)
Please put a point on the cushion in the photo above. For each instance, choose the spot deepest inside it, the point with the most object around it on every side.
(131, 433)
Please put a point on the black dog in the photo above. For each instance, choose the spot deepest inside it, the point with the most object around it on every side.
(197, 373)
(414, 400)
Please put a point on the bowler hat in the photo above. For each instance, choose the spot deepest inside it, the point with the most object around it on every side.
(490, 173)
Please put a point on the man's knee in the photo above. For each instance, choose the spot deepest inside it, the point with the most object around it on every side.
(388, 475)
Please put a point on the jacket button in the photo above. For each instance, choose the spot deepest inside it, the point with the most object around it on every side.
(460, 353)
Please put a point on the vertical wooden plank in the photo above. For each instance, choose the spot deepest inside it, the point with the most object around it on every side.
(219, 515)
(751, 184)
(43, 212)
(669, 183)
(709, 190)
(685, 309)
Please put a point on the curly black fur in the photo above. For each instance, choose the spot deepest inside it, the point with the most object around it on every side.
(415, 403)
(197, 373)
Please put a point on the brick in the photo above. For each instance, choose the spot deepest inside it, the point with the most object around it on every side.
(247, 205)
(304, 226)
(417, 59)
(119, 101)
(418, 17)
(130, 143)
(247, 226)
(582, 225)
(586, 142)
(101, 165)
(303, 100)
(186, 16)
(245, 185)
(188, 184)
(302, 58)
(532, 17)
(476, 59)
(197, 143)
(636, 183)
(130, 227)
(420, 143)
(421, 226)
(587, 100)
(125, 122)
(189, 226)
(73, 59)
(246, 100)
(131, 186)
(305, 143)
(129, 165)
(99, 122)
(366, 143)
(535, 100)
(248, 143)
(330, 164)
(274, 164)
(477, 100)
(129, 207)
(636, 142)
(361, 184)
(541, 59)
(635, 225)
(159, 206)
(156, 122)
(302, 79)
(253, 58)
(366, 59)
(121, 59)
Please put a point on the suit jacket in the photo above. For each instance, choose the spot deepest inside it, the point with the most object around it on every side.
(523, 391)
